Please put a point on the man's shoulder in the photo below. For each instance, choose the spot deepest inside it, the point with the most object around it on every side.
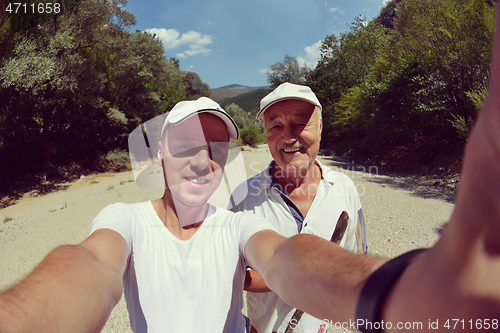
(120, 209)
(252, 188)
(242, 221)
(263, 178)
(128, 206)
(223, 214)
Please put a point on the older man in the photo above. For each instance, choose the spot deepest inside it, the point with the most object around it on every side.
(298, 195)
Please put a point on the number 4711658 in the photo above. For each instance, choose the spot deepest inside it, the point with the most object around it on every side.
(40, 8)
(478, 324)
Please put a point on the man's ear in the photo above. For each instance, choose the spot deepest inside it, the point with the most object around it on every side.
(160, 153)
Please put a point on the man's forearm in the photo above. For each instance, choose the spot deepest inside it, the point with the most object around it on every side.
(332, 275)
(70, 291)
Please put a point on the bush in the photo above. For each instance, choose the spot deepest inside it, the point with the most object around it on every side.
(116, 160)
(252, 135)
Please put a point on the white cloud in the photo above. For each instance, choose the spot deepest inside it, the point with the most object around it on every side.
(336, 10)
(193, 37)
(312, 55)
(168, 37)
(264, 71)
(385, 2)
(194, 41)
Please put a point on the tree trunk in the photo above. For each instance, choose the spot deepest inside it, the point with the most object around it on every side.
(46, 148)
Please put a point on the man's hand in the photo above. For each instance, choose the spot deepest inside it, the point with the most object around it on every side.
(458, 278)
(74, 289)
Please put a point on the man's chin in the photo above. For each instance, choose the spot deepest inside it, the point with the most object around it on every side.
(296, 163)
(193, 200)
(191, 197)
(291, 171)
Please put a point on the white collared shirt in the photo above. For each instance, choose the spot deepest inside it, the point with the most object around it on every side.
(336, 193)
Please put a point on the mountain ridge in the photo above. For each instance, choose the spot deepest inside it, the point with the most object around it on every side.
(231, 90)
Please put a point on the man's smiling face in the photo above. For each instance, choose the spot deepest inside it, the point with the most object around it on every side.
(293, 129)
(194, 153)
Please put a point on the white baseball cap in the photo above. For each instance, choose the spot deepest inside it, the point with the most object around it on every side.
(186, 109)
(287, 91)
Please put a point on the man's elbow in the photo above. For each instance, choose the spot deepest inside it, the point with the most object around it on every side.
(111, 277)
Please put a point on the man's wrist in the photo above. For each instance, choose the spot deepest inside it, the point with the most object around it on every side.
(377, 288)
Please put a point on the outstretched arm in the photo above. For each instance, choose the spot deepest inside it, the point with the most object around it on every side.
(73, 289)
(256, 284)
(310, 273)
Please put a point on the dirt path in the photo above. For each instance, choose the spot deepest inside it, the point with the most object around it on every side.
(402, 213)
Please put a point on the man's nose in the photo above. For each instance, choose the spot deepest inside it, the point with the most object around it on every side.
(289, 134)
(201, 160)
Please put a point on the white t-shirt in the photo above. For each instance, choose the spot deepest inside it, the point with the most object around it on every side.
(336, 193)
(176, 286)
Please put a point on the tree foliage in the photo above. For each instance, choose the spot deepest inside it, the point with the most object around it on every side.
(250, 134)
(73, 88)
(289, 70)
(345, 62)
(415, 75)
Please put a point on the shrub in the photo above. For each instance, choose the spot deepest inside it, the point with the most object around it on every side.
(252, 135)
(116, 160)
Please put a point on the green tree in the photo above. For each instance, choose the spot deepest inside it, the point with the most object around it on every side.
(288, 70)
(195, 87)
(456, 38)
(52, 86)
(412, 77)
(242, 118)
(346, 61)
(73, 89)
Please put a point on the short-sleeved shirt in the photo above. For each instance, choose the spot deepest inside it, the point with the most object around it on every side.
(336, 193)
(174, 285)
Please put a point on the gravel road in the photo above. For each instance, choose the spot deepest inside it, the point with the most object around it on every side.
(402, 213)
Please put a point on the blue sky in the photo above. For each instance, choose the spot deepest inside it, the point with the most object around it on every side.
(233, 41)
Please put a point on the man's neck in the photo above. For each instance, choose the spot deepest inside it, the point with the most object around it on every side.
(182, 221)
(301, 190)
(294, 182)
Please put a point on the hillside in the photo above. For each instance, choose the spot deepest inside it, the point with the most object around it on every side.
(248, 101)
(232, 90)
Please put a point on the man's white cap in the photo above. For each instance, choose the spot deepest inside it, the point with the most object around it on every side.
(186, 109)
(287, 91)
